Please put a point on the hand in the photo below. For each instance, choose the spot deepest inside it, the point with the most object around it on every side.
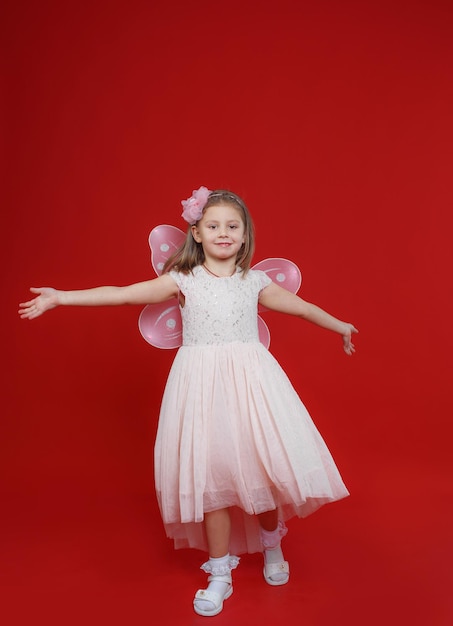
(46, 299)
(348, 346)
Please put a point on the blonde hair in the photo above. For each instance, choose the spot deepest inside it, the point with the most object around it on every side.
(191, 254)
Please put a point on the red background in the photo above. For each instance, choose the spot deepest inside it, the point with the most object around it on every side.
(334, 121)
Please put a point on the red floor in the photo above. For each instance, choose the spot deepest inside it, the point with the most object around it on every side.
(367, 560)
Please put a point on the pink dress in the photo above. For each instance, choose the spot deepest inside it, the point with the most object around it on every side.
(232, 430)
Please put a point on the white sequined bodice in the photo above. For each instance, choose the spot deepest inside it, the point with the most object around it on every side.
(220, 310)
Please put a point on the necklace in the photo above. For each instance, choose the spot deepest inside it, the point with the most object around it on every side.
(216, 275)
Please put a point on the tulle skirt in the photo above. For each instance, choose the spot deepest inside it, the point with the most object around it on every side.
(234, 433)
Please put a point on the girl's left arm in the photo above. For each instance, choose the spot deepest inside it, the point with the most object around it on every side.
(278, 299)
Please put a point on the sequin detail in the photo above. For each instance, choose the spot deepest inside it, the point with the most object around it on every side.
(220, 310)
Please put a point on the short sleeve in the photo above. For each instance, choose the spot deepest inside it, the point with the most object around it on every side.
(263, 278)
(179, 279)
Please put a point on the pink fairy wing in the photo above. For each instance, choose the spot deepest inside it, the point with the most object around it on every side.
(263, 333)
(161, 325)
(284, 273)
(164, 240)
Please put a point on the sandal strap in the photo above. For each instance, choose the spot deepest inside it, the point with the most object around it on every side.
(221, 579)
(210, 596)
(276, 568)
(213, 597)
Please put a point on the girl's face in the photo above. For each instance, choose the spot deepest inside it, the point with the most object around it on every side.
(220, 231)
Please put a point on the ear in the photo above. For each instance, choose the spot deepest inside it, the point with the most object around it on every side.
(195, 233)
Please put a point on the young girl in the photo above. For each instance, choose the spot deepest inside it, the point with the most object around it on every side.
(236, 452)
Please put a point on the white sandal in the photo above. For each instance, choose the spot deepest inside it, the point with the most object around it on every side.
(216, 599)
(276, 569)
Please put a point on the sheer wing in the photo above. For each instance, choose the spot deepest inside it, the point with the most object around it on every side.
(283, 272)
(160, 324)
(164, 240)
(263, 333)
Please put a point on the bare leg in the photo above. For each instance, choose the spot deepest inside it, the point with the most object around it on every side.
(268, 520)
(218, 527)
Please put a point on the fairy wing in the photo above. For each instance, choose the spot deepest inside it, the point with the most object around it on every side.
(160, 324)
(264, 334)
(164, 240)
(283, 272)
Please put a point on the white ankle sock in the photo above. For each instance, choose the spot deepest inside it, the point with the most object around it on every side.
(216, 566)
(272, 548)
(274, 555)
(271, 538)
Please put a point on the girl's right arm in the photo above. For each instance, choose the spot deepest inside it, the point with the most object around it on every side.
(148, 292)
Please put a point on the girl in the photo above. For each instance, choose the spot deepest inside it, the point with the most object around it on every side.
(236, 452)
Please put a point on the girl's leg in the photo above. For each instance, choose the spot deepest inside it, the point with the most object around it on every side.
(276, 569)
(268, 520)
(218, 527)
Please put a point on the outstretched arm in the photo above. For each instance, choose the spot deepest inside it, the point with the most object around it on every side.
(278, 299)
(148, 292)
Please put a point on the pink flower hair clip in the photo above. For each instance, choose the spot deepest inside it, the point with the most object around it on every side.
(193, 206)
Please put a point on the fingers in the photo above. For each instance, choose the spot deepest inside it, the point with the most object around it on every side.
(27, 312)
(37, 290)
(348, 346)
(29, 309)
(27, 304)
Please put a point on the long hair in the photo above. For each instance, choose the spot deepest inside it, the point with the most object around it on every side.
(191, 254)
